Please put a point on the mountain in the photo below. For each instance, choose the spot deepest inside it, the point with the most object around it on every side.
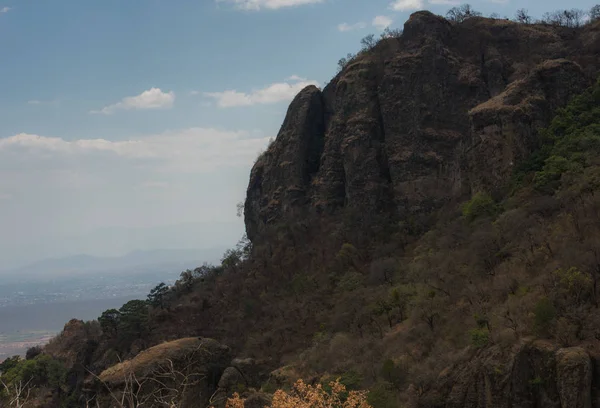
(115, 241)
(426, 227)
(421, 120)
(132, 263)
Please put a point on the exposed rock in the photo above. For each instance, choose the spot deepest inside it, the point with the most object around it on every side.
(505, 127)
(75, 345)
(183, 372)
(533, 374)
(243, 374)
(421, 120)
(280, 177)
(574, 377)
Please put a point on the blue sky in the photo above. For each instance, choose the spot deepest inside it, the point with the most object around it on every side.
(145, 113)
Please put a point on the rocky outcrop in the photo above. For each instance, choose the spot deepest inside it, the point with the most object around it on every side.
(189, 372)
(280, 178)
(182, 373)
(504, 128)
(532, 374)
(421, 120)
(244, 375)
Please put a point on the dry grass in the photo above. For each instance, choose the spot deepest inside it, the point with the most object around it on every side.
(143, 364)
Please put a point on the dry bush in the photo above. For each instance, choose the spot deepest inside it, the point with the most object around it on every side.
(308, 396)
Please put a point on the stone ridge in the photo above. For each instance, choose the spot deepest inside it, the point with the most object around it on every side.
(422, 120)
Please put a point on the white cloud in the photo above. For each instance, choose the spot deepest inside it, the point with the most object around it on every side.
(267, 4)
(382, 22)
(406, 5)
(188, 150)
(193, 93)
(153, 98)
(350, 27)
(34, 102)
(55, 187)
(5, 9)
(274, 93)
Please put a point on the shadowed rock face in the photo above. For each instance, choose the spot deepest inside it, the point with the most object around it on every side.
(532, 374)
(421, 120)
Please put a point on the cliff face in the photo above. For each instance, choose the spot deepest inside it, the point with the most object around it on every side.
(533, 374)
(421, 120)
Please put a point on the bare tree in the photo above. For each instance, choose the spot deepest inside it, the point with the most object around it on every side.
(461, 13)
(165, 386)
(391, 33)
(18, 393)
(368, 42)
(523, 17)
(566, 18)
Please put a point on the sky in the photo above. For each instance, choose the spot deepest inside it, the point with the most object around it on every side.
(142, 118)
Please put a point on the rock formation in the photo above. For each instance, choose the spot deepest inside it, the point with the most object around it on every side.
(421, 120)
(531, 374)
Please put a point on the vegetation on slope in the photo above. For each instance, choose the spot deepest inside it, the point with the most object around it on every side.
(370, 300)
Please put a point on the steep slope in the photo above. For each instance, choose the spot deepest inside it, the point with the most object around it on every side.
(420, 120)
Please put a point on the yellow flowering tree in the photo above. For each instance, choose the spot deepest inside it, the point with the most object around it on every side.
(308, 396)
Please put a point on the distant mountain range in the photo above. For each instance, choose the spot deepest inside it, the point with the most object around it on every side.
(117, 241)
(141, 261)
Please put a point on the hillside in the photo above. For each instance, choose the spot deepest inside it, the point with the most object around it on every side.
(425, 227)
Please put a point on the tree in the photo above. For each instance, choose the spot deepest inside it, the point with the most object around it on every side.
(391, 33)
(133, 323)
(305, 395)
(9, 363)
(33, 352)
(109, 321)
(368, 42)
(523, 17)
(25, 376)
(566, 18)
(345, 61)
(399, 299)
(428, 307)
(231, 258)
(461, 13)
(186, 279)
(594, 13)
(393, 373)
(157, 296)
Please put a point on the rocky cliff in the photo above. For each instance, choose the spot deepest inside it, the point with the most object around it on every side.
(421, 120)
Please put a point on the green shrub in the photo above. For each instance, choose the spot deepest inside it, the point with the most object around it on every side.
(351, 379)
(544, 315)
(382, 395)
(350, 281)
(393, 373)
(537, 381)
(480, 337)
(482, 204)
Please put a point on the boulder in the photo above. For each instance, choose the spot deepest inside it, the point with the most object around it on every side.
(183, 372)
